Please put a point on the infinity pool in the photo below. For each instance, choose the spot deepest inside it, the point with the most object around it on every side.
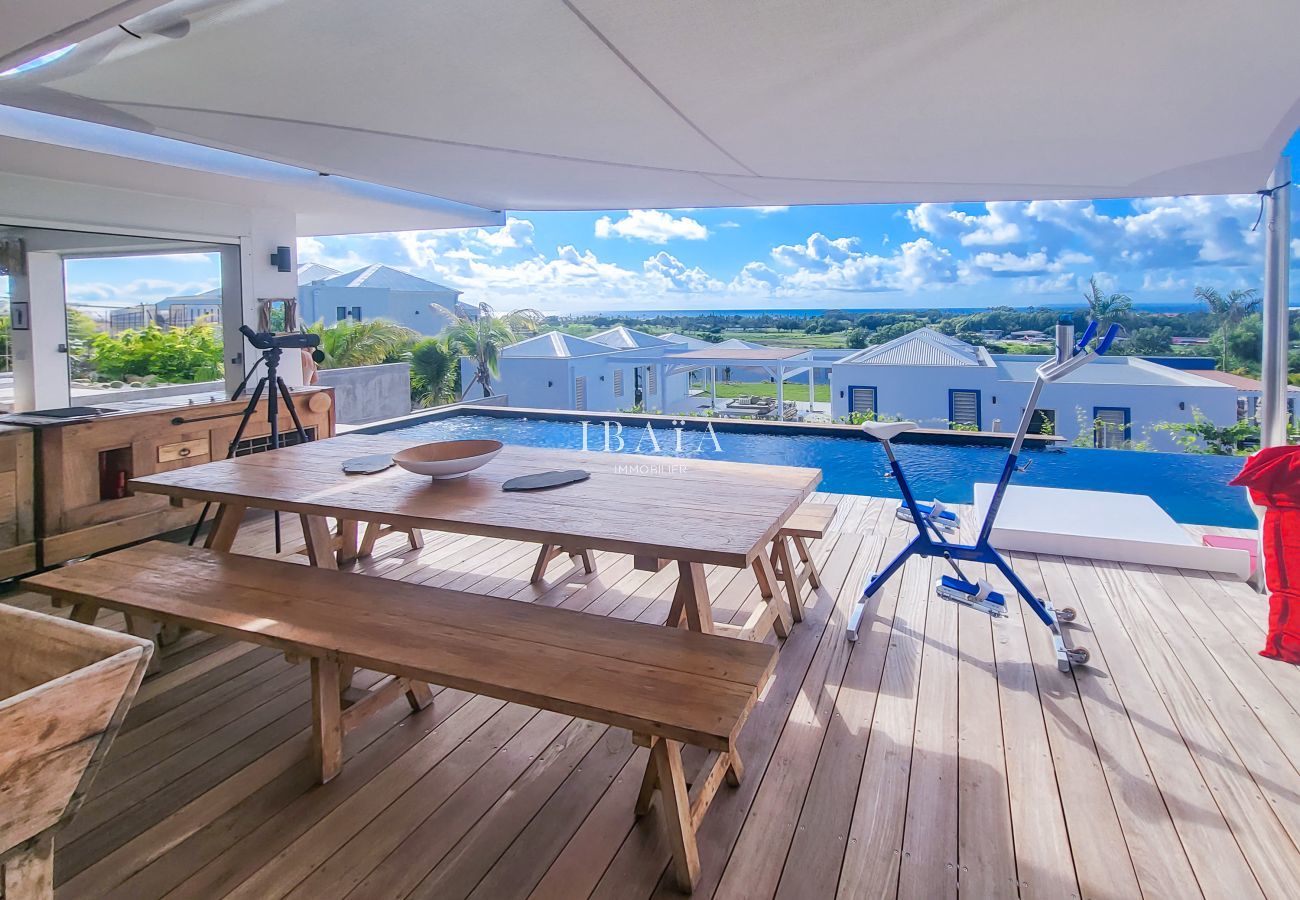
(1191, 488)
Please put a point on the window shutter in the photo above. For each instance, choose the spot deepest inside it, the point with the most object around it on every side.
(580, 392)
(965, 408)
(652, 382)
(618, 382)
(862, 400)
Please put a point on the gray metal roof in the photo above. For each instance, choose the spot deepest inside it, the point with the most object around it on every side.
(387, 277)
(923, 347)
(555, 345)
(622, 338)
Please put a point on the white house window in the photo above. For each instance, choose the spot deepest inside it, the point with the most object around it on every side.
(580, 392)
(618, 382)
(356, 313)
(341, 313)
(1043, 422)
(652, 380)
(964, 408)
(862, 400)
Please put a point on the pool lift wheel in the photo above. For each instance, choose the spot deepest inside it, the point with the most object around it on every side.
(932, 521)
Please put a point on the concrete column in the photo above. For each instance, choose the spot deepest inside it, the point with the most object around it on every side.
(780, 391)
(812, 386)
(248, 276)
(40, 367)
(1277, 266)
(713, 387)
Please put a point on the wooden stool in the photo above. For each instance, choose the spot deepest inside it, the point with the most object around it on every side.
(550, 551)
(809, 521)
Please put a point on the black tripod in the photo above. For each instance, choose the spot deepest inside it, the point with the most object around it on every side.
(273, 386)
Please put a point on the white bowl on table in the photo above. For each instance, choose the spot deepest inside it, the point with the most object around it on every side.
(447, 459)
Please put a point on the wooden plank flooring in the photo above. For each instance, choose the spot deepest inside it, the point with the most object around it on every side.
(942, 753)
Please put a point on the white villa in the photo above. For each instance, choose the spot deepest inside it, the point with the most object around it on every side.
(375, 292)
(926, 376)
(943, 382)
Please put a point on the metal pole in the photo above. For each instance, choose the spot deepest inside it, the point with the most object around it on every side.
(1277, 216)
(780, 392)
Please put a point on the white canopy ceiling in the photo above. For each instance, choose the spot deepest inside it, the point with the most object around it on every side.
(595, 104)
(38, 146)
(32, 28)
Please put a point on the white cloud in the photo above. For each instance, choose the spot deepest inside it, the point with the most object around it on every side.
(769, 210)
(139, 290)
(1047, 284)
(819, 252)
(1010, 263)
(1162, 232)
(756, 277)
(652, 225)
(826, 264)
(673, 275)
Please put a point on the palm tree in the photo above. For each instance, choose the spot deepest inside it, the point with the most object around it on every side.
(1228, 311)
(367, 343)
(483, 338)
(1106, 308)
(432, 367)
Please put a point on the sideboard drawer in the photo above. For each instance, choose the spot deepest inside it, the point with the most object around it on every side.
(183, 450)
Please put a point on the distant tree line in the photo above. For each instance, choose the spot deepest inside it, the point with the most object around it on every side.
(1230, 323)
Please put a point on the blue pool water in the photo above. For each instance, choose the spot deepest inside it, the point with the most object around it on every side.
(1191, 488)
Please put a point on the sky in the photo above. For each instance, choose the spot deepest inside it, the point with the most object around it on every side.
(851, 257)
(847, 257)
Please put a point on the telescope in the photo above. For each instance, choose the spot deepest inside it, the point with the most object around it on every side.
(269, 340)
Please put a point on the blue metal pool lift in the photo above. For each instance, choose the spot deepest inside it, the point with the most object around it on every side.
(932, 520)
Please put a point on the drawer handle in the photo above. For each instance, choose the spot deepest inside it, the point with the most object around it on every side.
(184, 451)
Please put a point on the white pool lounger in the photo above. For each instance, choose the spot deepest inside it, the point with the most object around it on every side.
(1101, 525)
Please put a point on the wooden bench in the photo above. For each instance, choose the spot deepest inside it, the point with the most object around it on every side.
(668, 686)
(810, 521)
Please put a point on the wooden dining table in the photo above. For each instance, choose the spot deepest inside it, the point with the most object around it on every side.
(662, 510)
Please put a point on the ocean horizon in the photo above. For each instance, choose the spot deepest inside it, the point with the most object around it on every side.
(1184, 307)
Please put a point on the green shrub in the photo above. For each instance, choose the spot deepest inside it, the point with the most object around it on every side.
(177, 355)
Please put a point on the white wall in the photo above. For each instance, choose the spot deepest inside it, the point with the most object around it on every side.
(920, 394)
(532, 382)
(408, 308)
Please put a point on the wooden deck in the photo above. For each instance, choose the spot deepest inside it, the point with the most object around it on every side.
(942, 750)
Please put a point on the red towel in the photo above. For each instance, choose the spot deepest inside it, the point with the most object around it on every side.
(1273, 477)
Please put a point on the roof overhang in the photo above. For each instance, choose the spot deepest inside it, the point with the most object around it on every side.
(40, 146)
(33, 28)
(623, 103)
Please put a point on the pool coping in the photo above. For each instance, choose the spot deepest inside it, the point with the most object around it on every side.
(497, 411)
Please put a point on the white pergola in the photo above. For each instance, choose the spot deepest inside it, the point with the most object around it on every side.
(781, 364)
(580, 104)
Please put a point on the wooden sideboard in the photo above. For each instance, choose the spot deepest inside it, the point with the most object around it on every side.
(83, 504)
(17, 506)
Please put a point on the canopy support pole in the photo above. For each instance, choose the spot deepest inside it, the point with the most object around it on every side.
(1273, 417)
(780, 392)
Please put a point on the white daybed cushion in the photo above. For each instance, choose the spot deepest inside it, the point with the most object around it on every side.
(1100, 525)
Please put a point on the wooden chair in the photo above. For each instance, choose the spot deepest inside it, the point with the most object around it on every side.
(669, 686)
(810, 521)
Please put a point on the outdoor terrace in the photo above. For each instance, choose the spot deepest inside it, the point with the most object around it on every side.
(941, 750)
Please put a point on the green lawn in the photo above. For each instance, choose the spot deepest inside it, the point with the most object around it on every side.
(835, 340)
(794, 390)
